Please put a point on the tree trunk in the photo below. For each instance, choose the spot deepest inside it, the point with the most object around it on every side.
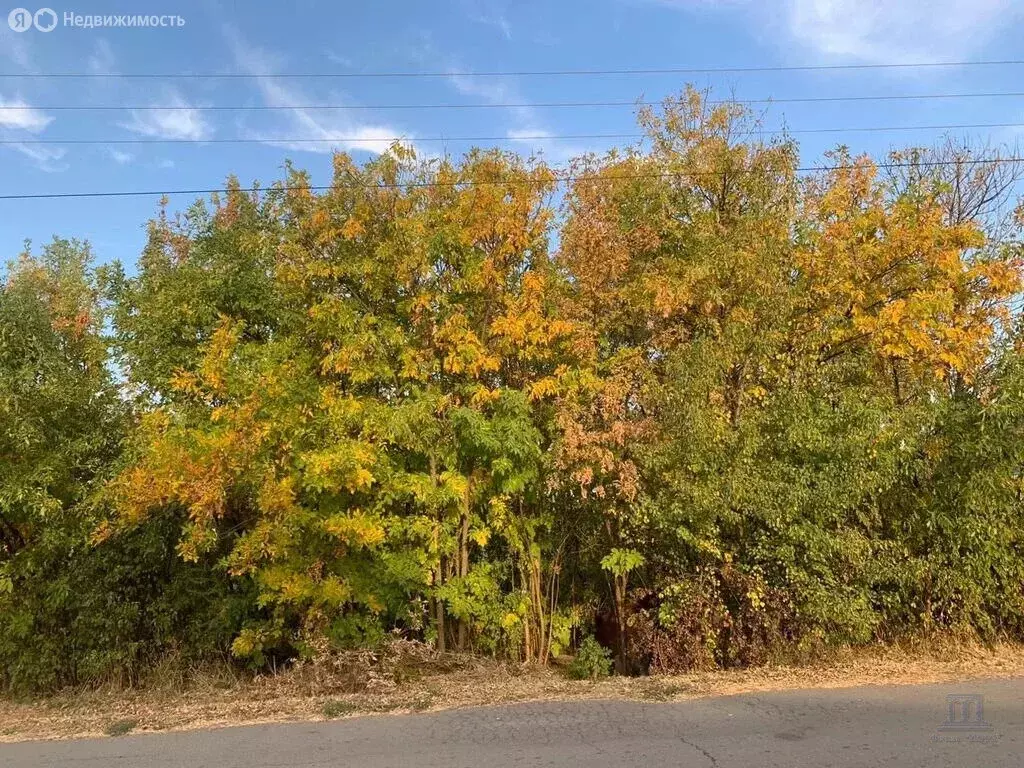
(537, 601)
(527, 620)
(619, 587)
(11, 537)
(437, 605)
(463, 562)
(619, 595)
(439, 620)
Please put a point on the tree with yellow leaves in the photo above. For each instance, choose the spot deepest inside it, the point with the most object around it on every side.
(683, 397)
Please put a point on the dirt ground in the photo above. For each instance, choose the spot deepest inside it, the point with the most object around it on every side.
(413, 680)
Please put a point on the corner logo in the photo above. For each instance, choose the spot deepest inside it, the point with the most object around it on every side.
(22, 19)
(965, 712)
(965, 720)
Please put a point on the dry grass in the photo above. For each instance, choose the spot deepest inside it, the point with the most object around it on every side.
(410, 678)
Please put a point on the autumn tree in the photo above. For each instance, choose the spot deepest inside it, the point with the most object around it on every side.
(682, 391)
(390, 424)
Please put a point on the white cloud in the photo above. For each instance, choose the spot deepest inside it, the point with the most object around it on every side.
(101, 60)
(369, 138)
(502, 92)
(329, 132)
(874, 31)
(541, 142)
(181, 122)
(489, 13)
(498, 21)
(18, 114)
(332, 130)
(335, 58)
(15, 47)
(527, 134)
(17, 118)
(46, 158)
(501, 23)
(119, 157)
(494, 91)
(905, 31)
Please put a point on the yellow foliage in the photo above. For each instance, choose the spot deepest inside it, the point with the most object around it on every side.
(355, 529)
(353, 229)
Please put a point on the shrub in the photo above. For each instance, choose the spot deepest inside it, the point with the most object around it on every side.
(592, 661)
(81, 615)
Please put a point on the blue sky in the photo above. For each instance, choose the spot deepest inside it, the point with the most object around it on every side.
(454, 37)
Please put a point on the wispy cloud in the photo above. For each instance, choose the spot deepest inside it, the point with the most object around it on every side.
(529, 131)
(45, 158)
(331, 131)
(17, 118)
(16, 113)
(876, 31)
(120, 157)
(101, 60)
(490, 13)
(543, 143)
(342, 61)
(494, 91)
(908, 31)
(15, 47)
(525, 134)
(501, 23)
(182, 122)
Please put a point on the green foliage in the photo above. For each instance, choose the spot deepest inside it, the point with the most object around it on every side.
(60, 420)
(710, 408)
(72, 613)
(620, 562)
(592, 661)
(86, 615)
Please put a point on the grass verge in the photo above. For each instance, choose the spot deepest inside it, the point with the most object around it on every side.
(322, 692)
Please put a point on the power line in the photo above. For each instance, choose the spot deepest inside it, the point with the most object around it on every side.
(331, 140)
(562, 177)
(516, 138)
(510, 105)
(522, 73)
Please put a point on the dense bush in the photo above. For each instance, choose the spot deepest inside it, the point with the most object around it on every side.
(72, 612)
(713, 408)
(107, 614)
(591, 662)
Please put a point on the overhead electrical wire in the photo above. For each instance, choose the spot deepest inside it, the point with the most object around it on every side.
(523, 73)
(565, 177)
(507, 138)
(767, 100)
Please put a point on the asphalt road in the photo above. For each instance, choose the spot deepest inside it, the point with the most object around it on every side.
(894, 727)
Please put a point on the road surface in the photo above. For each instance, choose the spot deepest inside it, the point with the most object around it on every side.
(895, 727)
